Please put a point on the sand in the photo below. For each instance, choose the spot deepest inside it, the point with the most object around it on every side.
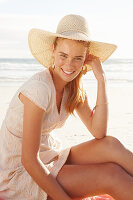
(120, 124)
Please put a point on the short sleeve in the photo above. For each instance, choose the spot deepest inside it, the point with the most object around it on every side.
(38, 92)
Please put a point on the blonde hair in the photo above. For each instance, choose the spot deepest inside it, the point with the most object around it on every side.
(75, 87)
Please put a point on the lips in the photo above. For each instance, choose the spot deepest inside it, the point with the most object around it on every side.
(67, 72)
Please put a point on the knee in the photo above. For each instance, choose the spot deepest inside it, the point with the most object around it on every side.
(113, 147)
(112, 142)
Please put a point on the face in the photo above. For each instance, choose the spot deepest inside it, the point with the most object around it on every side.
(69, 57)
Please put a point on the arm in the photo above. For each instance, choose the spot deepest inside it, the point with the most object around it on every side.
(100, 116)
(32, 122)
(97, 124)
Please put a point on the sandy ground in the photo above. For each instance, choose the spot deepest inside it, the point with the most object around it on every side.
(120, 124)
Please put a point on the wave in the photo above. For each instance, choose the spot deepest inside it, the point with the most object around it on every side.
(18, 70)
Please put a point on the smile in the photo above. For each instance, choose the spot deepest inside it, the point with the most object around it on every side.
(68, 73)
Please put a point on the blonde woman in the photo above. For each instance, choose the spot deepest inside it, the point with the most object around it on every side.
(33, 165)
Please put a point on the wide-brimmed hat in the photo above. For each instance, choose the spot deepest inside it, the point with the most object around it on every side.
(73, 27)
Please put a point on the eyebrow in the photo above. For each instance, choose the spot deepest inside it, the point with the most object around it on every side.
(67, 54)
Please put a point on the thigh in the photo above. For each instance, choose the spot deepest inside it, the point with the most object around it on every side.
(94, 151)
(87, 180)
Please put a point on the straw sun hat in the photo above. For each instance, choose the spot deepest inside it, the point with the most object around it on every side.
(71, 27)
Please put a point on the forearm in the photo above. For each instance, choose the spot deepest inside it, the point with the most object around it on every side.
(100, 116)
(45, 180)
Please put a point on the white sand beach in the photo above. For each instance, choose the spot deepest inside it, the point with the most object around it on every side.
(120, 124)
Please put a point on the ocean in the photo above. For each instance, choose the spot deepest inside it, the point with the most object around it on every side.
(15, 71)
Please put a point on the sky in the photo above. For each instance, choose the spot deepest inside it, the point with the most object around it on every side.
(109, 21)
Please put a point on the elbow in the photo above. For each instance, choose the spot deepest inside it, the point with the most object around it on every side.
(99, 137)
(24, 162)
(99, 134)
(28, 161)
(24, 159)
(99, 130)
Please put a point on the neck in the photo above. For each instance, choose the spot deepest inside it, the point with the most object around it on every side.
(58, 82)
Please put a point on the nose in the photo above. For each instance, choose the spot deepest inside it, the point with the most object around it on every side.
(69, 64)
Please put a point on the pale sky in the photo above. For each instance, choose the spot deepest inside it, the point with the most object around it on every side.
(109, 21)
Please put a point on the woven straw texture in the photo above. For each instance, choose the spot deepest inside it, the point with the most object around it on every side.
(72, 27)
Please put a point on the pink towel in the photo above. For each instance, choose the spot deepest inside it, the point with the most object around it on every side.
(101, 197)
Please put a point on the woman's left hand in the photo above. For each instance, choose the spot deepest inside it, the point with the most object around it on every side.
(95, 63)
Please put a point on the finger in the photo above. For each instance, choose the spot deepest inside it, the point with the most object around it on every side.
(92, 56)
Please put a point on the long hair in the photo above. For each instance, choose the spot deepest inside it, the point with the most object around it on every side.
(75, 87)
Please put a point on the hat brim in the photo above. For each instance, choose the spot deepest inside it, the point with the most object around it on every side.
(40, 44)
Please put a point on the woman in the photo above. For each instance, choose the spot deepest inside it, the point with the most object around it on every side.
(33, 164)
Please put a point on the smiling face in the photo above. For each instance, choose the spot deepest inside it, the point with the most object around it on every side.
(69, 57)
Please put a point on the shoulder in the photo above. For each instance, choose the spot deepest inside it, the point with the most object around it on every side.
(39, 82)
(41, 75)
(37, 89)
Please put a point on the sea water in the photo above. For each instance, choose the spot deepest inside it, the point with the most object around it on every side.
(15, 71)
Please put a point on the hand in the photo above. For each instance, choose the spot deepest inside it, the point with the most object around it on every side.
(95, 63)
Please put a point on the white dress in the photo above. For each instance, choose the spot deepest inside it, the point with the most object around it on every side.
(15, 182)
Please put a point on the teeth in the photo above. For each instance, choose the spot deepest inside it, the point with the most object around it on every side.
(67, 72)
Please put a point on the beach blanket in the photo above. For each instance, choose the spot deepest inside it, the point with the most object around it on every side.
(101, 197)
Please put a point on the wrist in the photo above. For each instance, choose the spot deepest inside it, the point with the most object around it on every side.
(102, 79)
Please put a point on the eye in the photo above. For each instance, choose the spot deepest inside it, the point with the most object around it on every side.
(78, 58)
(63, 55)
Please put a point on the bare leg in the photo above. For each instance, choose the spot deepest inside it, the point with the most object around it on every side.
(108, 149)
(95, 179)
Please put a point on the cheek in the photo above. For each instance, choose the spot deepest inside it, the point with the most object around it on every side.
(78, 65)
(59, 62)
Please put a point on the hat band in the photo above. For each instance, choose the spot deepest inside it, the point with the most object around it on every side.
(74, 33)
